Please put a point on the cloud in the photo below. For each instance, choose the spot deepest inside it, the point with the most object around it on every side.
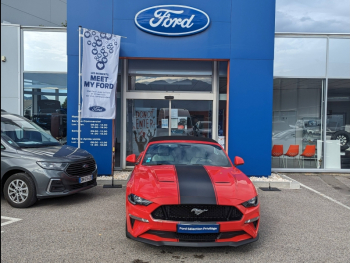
(314, 16)
(45, 51)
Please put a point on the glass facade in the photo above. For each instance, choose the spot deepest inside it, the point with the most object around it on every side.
(297, 123)
(311, 102)
(45, 80)
(311, 98)
(338, 124)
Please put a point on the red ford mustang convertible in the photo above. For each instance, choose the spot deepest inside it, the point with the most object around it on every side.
(184, 191)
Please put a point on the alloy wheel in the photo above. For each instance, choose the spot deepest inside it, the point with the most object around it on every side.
(343, 140)
(18, 191)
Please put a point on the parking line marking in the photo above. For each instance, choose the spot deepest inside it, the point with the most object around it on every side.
(10, 220)
(319, 193)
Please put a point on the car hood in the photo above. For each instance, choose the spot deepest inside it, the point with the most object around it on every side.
(57, 153)
(165, 182)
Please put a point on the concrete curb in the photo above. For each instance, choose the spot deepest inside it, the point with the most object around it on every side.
(281, 185)
(109, 182)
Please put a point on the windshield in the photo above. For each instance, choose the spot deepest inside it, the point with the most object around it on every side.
(185, 154)
(26, 134)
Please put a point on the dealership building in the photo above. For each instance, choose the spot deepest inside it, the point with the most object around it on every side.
(281, 101)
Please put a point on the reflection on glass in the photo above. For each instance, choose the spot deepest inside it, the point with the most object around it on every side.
(45, 51)
(191, 118)
(45, 102)
(297, 123)
(164, 83)
(300, 57)
(337, 155)
(222, 109)
(170, 67)
(145, 120)
(339, 58)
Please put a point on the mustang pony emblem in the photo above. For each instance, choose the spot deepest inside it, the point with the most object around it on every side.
(198, 211)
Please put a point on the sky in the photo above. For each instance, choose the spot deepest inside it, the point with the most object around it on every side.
(316, 16)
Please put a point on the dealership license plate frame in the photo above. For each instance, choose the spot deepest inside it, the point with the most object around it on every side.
(198, 228)
(85, 179)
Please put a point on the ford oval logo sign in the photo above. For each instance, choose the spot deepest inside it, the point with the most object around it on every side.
(97, 109)
(172, 20)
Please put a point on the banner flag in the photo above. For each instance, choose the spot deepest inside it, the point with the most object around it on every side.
(99, 74)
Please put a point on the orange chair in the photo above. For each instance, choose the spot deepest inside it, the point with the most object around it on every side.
(309, 152)
(292, 152)
(277, 151)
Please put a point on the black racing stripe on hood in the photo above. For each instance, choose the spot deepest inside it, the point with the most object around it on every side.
(195, 185)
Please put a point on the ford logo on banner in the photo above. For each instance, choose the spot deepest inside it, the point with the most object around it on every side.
(97, 109)
(172, 20)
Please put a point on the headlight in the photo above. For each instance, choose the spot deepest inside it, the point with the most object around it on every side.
(136, 200)
(52, 166)
(252, 202)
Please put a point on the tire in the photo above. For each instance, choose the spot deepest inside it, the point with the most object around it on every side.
(19, 190)
(344, 138)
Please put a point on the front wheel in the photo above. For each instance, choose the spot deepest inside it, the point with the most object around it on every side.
(19, 191)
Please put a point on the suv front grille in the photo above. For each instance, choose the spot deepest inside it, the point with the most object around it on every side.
(186, 213)
(81, 168)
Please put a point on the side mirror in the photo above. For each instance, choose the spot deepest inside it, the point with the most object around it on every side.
(131, 158)
(238, 161)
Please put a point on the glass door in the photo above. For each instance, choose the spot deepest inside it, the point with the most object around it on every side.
(167, 98)
(191, 118)
(145, 120)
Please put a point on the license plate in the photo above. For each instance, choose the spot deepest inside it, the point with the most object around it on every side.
(197, 229)
(85, 179)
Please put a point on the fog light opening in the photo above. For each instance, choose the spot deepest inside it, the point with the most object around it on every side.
(139, 218)
(252, 220)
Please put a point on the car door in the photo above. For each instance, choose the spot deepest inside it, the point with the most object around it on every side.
(7, 154)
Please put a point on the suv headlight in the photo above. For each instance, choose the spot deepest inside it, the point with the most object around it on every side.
(136, 200)
(252, 202)
(52, 166)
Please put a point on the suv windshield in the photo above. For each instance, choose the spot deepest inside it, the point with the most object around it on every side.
(185, 154)
(26, 134)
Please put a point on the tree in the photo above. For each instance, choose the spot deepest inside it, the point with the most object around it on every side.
(64, 104)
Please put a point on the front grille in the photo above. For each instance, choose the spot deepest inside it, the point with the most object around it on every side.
(186, 213)
(77, 169)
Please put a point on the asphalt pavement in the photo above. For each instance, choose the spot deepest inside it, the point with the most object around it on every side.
(296, 226)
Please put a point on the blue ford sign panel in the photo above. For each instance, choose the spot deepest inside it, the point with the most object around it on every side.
(172, 20)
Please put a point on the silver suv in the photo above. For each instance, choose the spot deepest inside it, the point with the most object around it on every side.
(34, 165)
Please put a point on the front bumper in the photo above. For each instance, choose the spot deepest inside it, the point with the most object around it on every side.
(193, 244)
(70, 185)
(164, 233)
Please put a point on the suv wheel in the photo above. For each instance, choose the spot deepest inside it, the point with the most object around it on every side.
(343, 137)
(19, 191)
